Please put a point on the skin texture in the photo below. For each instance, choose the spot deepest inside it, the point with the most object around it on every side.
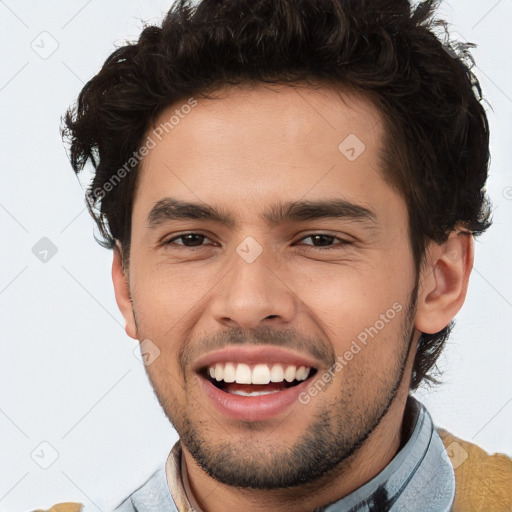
(251, 148)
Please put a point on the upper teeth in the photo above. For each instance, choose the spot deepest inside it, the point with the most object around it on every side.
(259, 374)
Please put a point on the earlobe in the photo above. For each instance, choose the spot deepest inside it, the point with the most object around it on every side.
(122, 293)
(444, 282)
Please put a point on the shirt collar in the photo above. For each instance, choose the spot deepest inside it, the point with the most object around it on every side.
(419, 477)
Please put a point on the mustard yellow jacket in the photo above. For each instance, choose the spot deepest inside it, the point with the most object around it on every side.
(483, 481)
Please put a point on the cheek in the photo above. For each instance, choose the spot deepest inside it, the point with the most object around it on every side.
(165, 380)
(345, 300)
(165, 296)
(369, 356)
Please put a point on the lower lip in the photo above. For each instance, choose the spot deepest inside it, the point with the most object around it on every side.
(253, 408)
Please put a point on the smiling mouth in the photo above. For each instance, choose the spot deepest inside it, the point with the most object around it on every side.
(255, 380)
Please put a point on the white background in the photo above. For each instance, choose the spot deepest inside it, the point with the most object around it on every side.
(68, 373)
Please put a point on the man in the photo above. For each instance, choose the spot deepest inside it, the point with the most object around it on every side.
(291, 190)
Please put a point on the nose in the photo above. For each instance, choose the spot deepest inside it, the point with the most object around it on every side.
(253, 293)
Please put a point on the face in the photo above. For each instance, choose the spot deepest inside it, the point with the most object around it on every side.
(271, 270)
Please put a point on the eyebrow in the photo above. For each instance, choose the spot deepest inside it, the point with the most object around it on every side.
(169, 209)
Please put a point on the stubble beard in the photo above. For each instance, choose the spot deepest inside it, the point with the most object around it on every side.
(339, 429)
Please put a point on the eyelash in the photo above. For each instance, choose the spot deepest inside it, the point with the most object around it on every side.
(341, 241)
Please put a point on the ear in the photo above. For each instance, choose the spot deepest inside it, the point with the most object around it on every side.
(122, 292)
(444, 281)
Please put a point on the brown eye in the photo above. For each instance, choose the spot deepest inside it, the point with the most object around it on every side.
(325, 241)
(189, 240)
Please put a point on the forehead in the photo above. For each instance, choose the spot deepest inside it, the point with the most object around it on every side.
(251, 143)
(292, 111)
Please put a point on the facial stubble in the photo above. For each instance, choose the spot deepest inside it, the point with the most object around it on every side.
(339, 428)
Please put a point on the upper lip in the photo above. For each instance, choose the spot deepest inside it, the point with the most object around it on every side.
(254, 355)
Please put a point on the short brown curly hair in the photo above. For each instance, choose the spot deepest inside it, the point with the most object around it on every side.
(437, 136)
